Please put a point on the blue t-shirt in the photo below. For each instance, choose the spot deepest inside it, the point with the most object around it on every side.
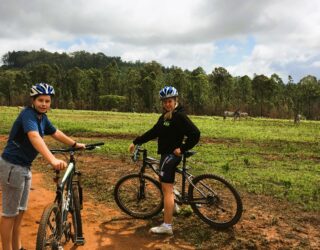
(19, 149)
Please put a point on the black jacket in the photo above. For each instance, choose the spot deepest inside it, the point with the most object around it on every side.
(170, 133)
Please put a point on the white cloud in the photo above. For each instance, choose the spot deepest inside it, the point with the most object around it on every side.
(184, 33)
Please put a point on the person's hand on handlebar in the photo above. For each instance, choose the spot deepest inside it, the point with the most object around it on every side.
(58, 164)
(80, 145)
(131, 148)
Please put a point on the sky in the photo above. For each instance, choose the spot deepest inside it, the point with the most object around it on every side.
(246, 37)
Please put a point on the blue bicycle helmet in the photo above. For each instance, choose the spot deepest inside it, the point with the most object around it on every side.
(41, 89)
(167, 92)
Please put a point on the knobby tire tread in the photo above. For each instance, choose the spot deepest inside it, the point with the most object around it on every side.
(195, 208)
(76, 215)
(41, 235)
(125, 209)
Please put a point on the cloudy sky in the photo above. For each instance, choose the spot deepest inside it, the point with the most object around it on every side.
(244, 36)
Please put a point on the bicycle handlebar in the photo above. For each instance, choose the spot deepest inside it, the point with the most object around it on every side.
(136, 152)
(88, 147)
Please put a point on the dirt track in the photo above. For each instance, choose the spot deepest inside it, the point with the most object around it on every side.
(107, 228)
(267, 223)
(104, 228)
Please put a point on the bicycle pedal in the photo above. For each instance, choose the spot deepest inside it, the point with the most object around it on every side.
(80, 241)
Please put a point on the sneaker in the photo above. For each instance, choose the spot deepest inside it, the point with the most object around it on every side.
(162, 229)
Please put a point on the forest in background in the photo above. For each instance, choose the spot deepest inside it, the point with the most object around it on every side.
(94, 81)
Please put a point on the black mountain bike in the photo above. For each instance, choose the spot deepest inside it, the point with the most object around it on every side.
(211, 197)
(61, 220)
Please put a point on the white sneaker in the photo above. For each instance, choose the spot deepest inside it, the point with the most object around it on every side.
(162, 229)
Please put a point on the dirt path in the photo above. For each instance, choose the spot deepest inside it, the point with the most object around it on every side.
(104, 228)
(267, 222)
(264, 226)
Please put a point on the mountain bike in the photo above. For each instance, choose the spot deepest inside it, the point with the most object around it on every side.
(61, 220)
(213, 199)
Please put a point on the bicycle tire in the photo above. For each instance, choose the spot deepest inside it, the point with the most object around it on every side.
(54, 223)
(222, 206)
(131, 200)
(76, 216)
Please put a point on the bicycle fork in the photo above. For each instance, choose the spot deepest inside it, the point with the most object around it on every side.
(141, 193)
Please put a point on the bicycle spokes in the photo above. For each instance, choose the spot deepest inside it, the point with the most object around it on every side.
(139, 196)
(215, 201)
(49, 234)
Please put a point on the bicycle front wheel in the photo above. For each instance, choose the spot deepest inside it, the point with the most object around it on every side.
(49, 230)
(139, 196)
(215, 201)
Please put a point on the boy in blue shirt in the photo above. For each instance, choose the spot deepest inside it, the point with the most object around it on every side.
(24, 143)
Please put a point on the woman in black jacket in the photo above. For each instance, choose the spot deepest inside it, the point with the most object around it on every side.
(171, 128)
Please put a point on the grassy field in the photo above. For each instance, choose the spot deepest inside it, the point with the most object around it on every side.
(263, 156)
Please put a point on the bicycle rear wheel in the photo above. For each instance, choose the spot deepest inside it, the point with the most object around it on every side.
(139, 196)
(215, 201)
(49, 230)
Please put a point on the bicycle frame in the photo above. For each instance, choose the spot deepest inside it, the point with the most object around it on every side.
(65, 201)
(55, 221)
(185, 175)
(212, 198)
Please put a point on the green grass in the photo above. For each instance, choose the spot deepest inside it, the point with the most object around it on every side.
(264, 156)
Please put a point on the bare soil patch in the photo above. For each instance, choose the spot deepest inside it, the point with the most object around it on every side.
(267, 222)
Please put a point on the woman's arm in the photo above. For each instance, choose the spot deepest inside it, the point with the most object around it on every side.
(191, 131)
(149, 135)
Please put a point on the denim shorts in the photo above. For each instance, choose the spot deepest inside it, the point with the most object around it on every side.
(168, 164)
(15, 183)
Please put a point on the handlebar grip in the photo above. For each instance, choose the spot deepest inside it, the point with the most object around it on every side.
(95, 144)
(88, 147)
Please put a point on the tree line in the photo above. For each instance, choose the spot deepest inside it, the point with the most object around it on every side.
(95, 81)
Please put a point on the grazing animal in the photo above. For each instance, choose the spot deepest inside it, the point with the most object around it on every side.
(227, 114)
(244, 115)
(235, 114)
(297, 118)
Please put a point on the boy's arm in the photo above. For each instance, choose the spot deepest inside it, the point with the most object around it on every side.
(39, 144)
(62, 137)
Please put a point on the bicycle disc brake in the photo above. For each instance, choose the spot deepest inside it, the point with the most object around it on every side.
(66, 234)
(213, 200)
(56, 246)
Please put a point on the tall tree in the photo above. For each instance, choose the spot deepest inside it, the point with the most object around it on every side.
(263, 89)
(221, 84)
(243, 92)
(7, 87)
(198, 90)
(310, 93)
